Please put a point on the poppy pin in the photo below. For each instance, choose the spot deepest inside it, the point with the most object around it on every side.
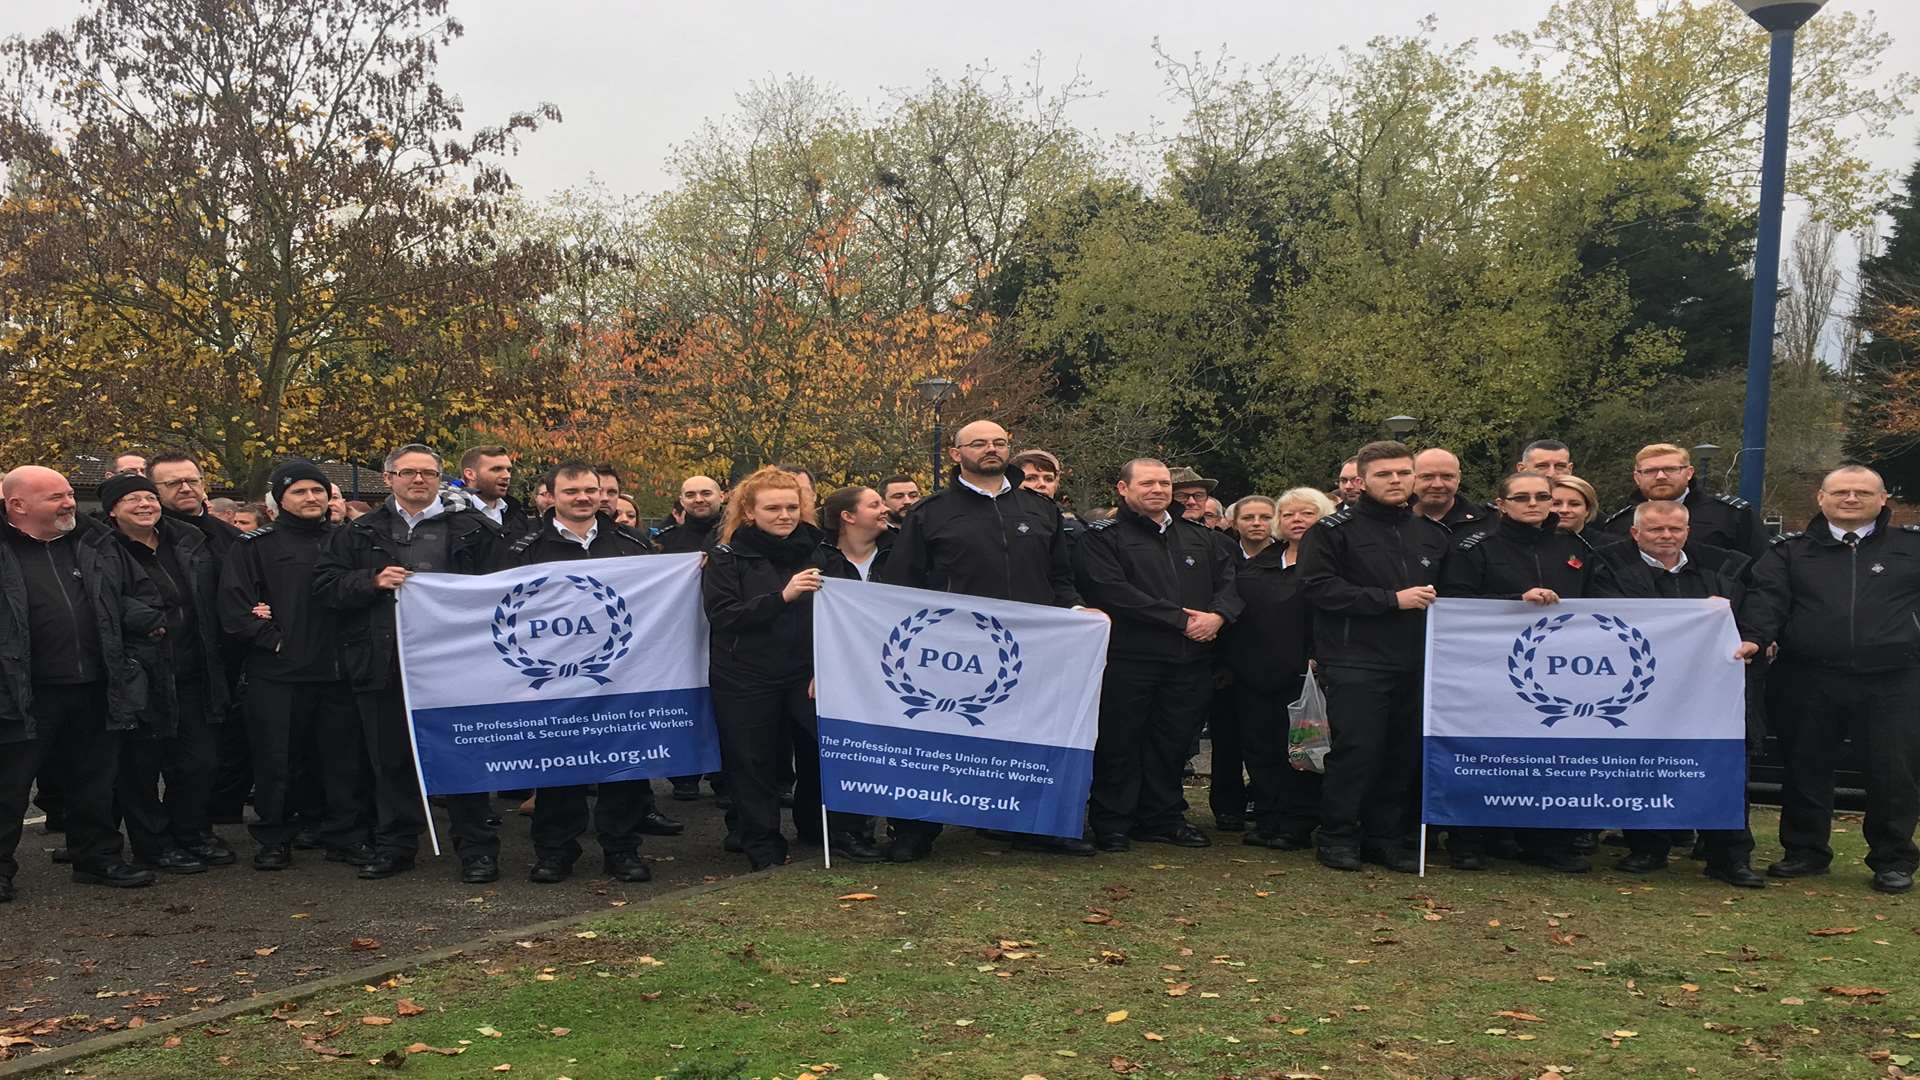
(1574, 561)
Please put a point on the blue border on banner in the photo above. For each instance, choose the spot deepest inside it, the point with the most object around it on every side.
(1585, 783)
(907, 773)
(565, 741)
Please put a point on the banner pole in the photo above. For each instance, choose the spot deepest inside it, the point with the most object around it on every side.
(1423, 849)
(406, 702)
(826, 841)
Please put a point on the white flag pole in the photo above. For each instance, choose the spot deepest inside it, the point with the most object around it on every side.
(826, 841)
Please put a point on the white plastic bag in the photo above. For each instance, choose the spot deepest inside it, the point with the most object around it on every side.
(1308, 736)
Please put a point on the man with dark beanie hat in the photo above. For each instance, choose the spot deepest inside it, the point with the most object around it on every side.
(178, 737)
(297, 694)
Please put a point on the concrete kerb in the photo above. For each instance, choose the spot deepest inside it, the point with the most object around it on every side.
(63, 1056)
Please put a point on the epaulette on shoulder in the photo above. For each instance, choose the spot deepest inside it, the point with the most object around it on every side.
(724, 549)
(521, 546)
(1102, 523)
(1734, 501)
(257, 533)
(1911, 528)
(1784, 537)
(1470, 541)
(634, 535)
(1337, 518)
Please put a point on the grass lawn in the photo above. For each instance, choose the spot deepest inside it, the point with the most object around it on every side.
(1227, 962)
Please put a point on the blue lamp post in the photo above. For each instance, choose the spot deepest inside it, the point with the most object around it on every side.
(1781, 18)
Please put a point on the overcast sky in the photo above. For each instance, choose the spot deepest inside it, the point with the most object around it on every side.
(633, 77)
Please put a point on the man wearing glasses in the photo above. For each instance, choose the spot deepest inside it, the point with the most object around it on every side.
(362, 566)
(1664, 472)
(1190, 493)
(183, 497)
(983, 535)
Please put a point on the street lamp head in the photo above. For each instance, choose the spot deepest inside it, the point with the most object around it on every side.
(1778, 15)
(1706, 451)
(1402, 426)
(936, 389)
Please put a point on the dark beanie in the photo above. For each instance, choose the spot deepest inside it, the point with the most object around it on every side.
(291, 472)
(117, 487)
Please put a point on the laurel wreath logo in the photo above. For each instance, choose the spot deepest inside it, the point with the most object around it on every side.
(1556, 708)
(540, 671)
(899, 646)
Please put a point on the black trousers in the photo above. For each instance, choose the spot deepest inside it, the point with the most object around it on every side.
(1372, 783)
(72, 738)
(1726, 848)
(186, 761)
(1286, 800)
(399, 815)
(49, 794)
(1815, 707)
(560, 817)
(1227, 787)
(313, 730)
(233, 770)
(1149, 713)
(763, 727)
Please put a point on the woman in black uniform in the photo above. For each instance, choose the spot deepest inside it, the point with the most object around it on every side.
(1525, 556)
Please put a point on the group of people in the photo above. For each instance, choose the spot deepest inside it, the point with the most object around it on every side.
(139, 644)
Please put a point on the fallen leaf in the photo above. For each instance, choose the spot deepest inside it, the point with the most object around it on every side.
(1116, 1016)
(376, 1021)
(1624, 1034)
(503, 1067)
(1855, 991)
(1691, 988)
(266, 950)
(837, 980)
(1179, 989)
(1793, 1001)
(587, 935)
(1527, 1016)
(489, 1031)
(1154, 1036)
(407, 1007)
(364, 944)
(448, 1051)
(1835, 931)
(172, 1043)
(858, 896)
(963, 1023)
(560, 1032)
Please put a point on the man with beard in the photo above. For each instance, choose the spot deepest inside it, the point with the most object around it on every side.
(899, 493)
(486, 472)
(362, 567)
(1349, 487)
(982, 535)
(702, 504)
(1436, 491)
(1370, 570)
(71, 685)
(297, 694)
(576, 528)
(1664, 472)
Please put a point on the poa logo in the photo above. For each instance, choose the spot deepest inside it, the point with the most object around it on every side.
(572, 627)
(1580, 666)
(963, 665)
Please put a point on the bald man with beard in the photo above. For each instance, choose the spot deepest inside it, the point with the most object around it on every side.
(71, 683)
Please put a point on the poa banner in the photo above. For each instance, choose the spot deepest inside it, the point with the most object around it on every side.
(1584, 714)
(557, 673)
(960, 709)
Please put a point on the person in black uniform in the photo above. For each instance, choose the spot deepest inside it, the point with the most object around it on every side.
(186, 692)
(1266, 651)
(361, 566)
(1369, 571)
(72, 687)
(702, 504)
(1167, 584)
(576, 528)
(1840, 601)
(1662, 562)
(757, 588)
(858, 538)
(297, 694)
(1524, 556)
(1436, 493)
(1665, 471)
(983, 535)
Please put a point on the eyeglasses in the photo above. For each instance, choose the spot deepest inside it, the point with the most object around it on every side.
(184, 481)
(1536, 497)
(1190, 496)
(1860, 495)
(1663, 470)
(985, 444)
(416, 474)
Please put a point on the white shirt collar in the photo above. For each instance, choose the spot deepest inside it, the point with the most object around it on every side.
(1165, 521)
(1006, 485)
(497, 510)
(1862, 532)
(1658, 565)
(593, 532)
(434, 509)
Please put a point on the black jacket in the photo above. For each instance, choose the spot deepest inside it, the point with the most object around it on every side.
(1143, 577)
(356, 552)
(275, 566)
(543, 543)
(123, 607)
(1267, 647)
(219, 534)
(833, 563)
(689, 536)
(1013, 547)
(1352, 562)
(1719, 520)
(757, 637)
(192, 563)
(1466, 518)
(1508, 559)
(1831, 605)
(1709, 571)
